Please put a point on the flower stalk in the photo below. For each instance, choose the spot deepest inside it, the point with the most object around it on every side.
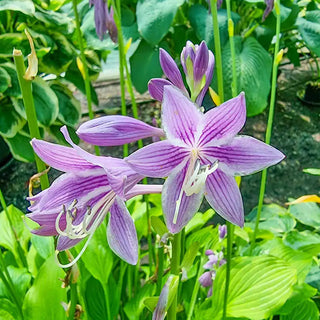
(276, 61)
(26, 90)
(85, 73)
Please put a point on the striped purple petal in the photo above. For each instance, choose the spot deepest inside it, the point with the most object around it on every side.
(180, 116)
(65, 243)
(243, 155)
(60, 157)
(116, 130)
(158, 159)
(156, 86)
(171, 193)
(224, 196)
(121, 233)
(201, 60)
(224, 121)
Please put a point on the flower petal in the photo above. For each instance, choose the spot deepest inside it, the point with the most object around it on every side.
(244, 155)
(116, 130)
(121, 233)
(171, 69)
(180, 116)
(143, 189)
(158, 159)
(156, 86)
(224, 196)
(224, 121)
(60, 157)
(189, 205)
(65, 243)
(200, 62)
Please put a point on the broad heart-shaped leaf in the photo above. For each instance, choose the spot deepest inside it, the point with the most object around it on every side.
(144, 64)
(201, 21)
(98, 257)
(8, 310)
(258, 286)
(69, 106)
(43, 245)
(306, 310)
(309, 28)
(154, 18)
(5, 80)
(307, 213)
(44, 299)
(24, 6)
(313, 277)
(10, 121)
(306, 241)
(20, 147)
(9, 41)
(13, 89)
(253, 65)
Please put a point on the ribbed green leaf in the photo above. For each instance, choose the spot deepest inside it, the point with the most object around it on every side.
(307, 213)
(251, 59)
(8, 310)
(306, 310)
(306, 241)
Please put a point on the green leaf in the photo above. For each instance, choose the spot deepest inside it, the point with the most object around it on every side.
(306, 241)
(20, 147)
(69, 106)
(13, 89)
(24, 6)
(258, 286)
(306, 310)
(309, 28)
(44, 299)
(199, 220)
(10, 41)
(5, 80)
(8, 310)
(307, 213)
(144, 64)
(54, 130)
(10, 121)
(207, 236)
(189, 256)
(43, 245)
(251, 58)
(98, 257)
(95, 300)
(313, 277)
(154, 18)
(312, 171)
(158, 226)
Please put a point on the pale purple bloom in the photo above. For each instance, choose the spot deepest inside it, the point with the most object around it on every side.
(116, 130)
(269, 8)
(222, 231)
(206, 279)
(201, 156)
(213, 259)
(77, 202)
(111, 25)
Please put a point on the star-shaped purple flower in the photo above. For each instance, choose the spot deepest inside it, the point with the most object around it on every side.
(201, 156)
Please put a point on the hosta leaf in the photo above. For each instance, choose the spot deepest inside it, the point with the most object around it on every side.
(5, 80)
(258, 286)
(14, 88)
(44, 299)
(144, 65)
(306, 310)
(306, 213)
(9, 41)
(309, 28)
(8, 310)
(20, 147)
(251, 58)
(24, 6)
(154, 18)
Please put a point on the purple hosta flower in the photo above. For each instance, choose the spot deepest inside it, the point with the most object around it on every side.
(116, 130)
(269, 8)
(78, 201)
(222, 231)
(197, 62)
(201, 156)
(104, 20)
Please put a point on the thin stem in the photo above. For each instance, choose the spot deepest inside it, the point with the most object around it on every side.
(175, 268)
(232, 50)
(230, 229)
(106, 293)
(270, 120)
(74, 299)
(129, 283)
(26, 90)
(217, 45)
(160, 270)
(85, 74)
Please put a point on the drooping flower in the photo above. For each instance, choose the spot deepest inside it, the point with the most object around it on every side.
(198, 64)
(269, 8)
(222, 231)
(201, 156)
(77, 202)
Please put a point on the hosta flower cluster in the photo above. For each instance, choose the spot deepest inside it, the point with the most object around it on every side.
(199, 154)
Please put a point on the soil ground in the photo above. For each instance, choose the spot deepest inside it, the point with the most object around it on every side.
(296, 132)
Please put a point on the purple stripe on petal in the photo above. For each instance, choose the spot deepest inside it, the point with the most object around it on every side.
(180, 116)
(121, 233)
(65, 243)
(116, 130)
(201, 62)
(170, 194)
(244, 155)
(158, 159)
(156, 86)
(224, 196)
(143, 189)
(100, 18)
(224, 121)
(171, 70)
(60, 157)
